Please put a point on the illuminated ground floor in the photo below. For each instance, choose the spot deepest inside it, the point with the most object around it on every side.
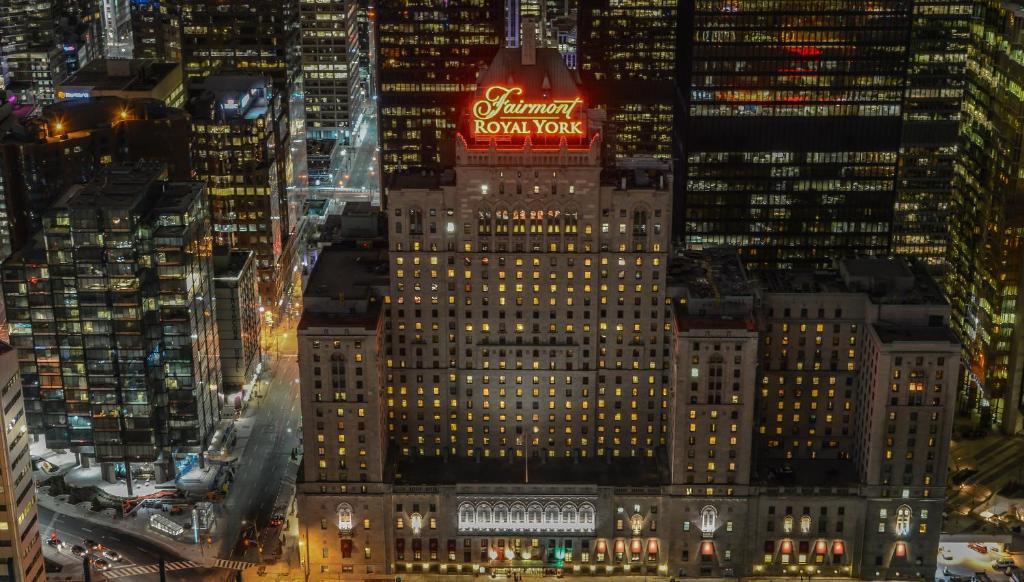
(674, 531)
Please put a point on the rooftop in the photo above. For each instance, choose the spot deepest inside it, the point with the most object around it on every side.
(70, 119)
(122, 74)
(344, 286)
(238, 96)
(892, 281)
(889, 333)
(711, 273)
(118, 186)
(228, 263)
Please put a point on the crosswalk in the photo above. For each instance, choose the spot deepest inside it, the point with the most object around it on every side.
(125, 571)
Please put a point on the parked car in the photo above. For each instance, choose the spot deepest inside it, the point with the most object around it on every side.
(92, 544)
(1002, 564)
(101, 564)
(980, 548)
(78, 551)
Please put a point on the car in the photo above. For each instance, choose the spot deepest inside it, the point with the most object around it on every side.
(111, 555)
(1002, 564)
(101, 564)
(276, 519)
(92, 544)
(946, 555)
(981, 549)
(53, 542)
(78, 551)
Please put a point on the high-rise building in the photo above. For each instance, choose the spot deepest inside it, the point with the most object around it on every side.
(557, 392)
(30, 60)
(332, 92)
(21, 552)
(69, 143)
(985, 263)
(935, 79)
(627, 59)
(126, 78)
(239, 325)
(251, 37)
(156, 30)
(805, 137)
(423, 85)
(117, 29)
(240, 134)
(112, 312)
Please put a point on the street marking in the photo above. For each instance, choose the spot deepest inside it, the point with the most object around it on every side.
(233, 564)
(86, 529)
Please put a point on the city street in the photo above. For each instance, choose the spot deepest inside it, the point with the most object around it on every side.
(960, 560)
(268, 452)
(997, 462)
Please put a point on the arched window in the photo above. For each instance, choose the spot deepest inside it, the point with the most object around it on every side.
(483, 225)
(483, 515)
(466, 514)
(571, 218)
(636, 523)
(568, 514)
(550, 515)
(345, 518)
(805, 524)
(416, 523)
(903, 520)
(639, 222)
(708, 519)
(787, 524)
(534, 513)
(501, 514)
(518, 513)
(501, 221)
(587, 514)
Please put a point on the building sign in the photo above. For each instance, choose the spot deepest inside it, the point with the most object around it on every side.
(502, 112)
(68, 95)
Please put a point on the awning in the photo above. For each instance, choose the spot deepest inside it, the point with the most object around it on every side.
(399, 544)
(652, 549)
(707, 548)
(901, 549)
(769, 547)
(346, 548)
(820, 548)
(805, 547)
(636, 547)
(601, 547)
(433, 544)
(787, 547)
(620, 547)
(838, 548)
(417, 545)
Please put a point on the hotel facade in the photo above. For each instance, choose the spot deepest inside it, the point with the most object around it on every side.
(523, 378)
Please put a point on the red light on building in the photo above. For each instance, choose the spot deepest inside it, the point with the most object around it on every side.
(901, 549)
(707, 548)
(502, 112)
(838, 548)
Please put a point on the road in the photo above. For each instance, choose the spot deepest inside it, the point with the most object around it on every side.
(267, 455)
(997, 461)
(356, 168)
(135, 551)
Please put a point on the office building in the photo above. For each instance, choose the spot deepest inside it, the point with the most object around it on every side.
(240, 143)
(792, 166)
(239, 325)
(156, 30)
(112, 312)
(330, 64)
(31, 62)
(984, 255)
(557, 393)
(423, 85)
(127, 79)
(931, 117)
(21, 552)
(627, 60)
(70, 142)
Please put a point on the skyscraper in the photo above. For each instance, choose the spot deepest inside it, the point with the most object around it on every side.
(69, 142)
(985, 252)
(156, 29)
(30, 60)
(935, 81)
(627, 60)
(239, 125)
(21, 550)
(423, 84)
(806, 135)
(111, 309)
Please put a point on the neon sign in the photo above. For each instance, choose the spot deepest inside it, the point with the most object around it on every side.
(503, 112)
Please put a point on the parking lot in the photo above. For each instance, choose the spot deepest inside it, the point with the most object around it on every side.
(964, 559)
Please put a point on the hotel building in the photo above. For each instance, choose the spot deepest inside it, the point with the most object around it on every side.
(535, 384)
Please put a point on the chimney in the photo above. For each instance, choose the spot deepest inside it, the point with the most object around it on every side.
(528, 40)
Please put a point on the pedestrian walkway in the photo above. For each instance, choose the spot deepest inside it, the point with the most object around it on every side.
(126, 571)
(231, 564)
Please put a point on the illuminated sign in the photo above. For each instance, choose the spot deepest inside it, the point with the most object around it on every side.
(68, 95)
(503, 112)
